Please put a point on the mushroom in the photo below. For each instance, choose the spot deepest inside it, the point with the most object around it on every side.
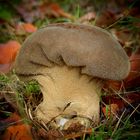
(70, 62)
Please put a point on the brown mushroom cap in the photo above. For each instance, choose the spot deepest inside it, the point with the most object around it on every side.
(89, 47)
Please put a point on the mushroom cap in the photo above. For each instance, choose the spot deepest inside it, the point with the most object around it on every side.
(91, 48)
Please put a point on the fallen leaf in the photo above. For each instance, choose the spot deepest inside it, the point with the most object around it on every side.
(113, 85)
(110, 110)
(57, 11)
(135, 67)
(53, 10)
(18, 132)
(133, 79)
(16, 129)
(23, 28)
(123, 36)
(106, 18)
(40, 10)
(5, 68)
(53, 135)
(14, 118)
(87, 17)
(8, 51)
(112, 105)
(115, 105)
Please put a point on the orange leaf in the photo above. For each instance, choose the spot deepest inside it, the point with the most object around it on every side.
(110, 110)
(60, 12)
(115, 85)
(24, 28)
(18, 132)
(8, 51)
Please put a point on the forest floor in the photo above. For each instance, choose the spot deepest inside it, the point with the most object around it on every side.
(120, 101)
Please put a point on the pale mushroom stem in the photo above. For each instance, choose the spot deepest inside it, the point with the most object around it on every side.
(68, 92)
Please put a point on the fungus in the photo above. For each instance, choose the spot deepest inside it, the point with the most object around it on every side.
(66, 59)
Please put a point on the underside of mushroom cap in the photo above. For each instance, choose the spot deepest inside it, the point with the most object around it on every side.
(75, 45)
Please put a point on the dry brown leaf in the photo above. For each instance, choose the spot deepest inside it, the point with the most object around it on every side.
(5, 68)
(87, 17)
(123, 36)
(133, 79)
(106, 18)
(135, 67)
(14, 118)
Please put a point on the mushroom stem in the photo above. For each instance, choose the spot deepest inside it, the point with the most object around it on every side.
(67, 92)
